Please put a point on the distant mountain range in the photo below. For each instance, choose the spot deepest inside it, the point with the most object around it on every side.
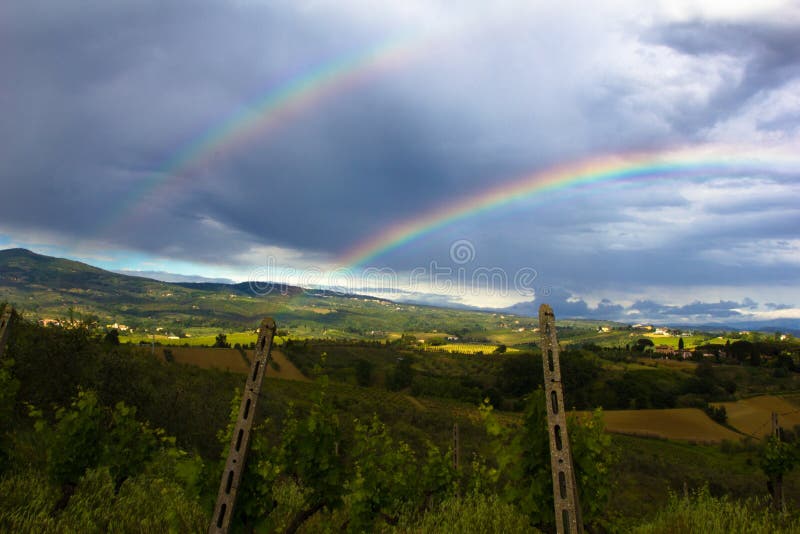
(163, 276)
(48, 287)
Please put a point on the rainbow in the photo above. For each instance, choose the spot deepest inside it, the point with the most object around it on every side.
(271, 110)
(709, 161)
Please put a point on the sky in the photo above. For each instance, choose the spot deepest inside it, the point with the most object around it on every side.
(323, 143)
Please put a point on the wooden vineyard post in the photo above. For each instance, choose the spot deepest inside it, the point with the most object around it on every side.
(5, 326)
(456, 446)
(234, 465)
(565, 488)
(777, 479)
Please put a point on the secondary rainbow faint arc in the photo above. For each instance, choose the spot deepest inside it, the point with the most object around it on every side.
(274, 108)
(631, 167)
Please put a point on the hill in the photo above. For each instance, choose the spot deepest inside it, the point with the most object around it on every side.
(44, 287)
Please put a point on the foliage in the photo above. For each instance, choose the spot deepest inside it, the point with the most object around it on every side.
(474, 513)
(309, 451)
(717, 413)
(88, 434)
(142, 504)
(402, 376)
(701, 512)
(363, 372)
(9, 386)
(388, 477)
(221, 342)
(51, 364)
(520, 374)
(524, 461)
(355, 470)
(778, 457)
(112, 337)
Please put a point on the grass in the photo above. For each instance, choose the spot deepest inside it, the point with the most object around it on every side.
(702, 512)
(649, 470)
(681, 365)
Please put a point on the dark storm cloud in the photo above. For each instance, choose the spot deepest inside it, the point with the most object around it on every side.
(101, 96)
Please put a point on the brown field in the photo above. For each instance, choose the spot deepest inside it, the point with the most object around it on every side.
(288, 370)
(689, 424)
(231, 360)
(752, 416)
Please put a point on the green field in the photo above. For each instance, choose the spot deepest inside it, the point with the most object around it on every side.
(689, 342)
(208, 340)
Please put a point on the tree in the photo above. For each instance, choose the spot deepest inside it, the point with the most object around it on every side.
(222, 341)
(402, 375)
(680, 343)
(363, 372)
(642, 344)
(777, 459)
(112, 337)
(500, 349)
(520, 374)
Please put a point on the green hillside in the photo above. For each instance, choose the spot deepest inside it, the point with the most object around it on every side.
(43, 287)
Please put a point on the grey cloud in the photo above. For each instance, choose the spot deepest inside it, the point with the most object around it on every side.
(565, 304)
(774, 306)
(770, 55)
(103, 96)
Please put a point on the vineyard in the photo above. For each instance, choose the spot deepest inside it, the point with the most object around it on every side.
(466, 348)
(381, 416)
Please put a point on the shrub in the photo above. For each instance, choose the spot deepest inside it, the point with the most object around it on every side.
(701, 512)
(472, 514)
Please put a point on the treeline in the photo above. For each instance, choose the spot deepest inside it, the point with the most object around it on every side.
(593, 377)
